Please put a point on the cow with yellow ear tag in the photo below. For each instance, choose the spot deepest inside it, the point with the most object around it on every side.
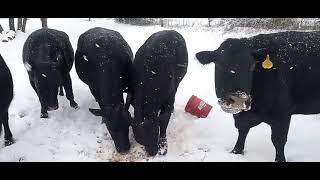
(267, 78)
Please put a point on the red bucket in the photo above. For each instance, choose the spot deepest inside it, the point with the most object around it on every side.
(198, 107)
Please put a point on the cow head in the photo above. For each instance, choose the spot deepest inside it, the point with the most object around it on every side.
(117, 126)
(47, 77)
(109, 95)
(145, 125)
(234, 66)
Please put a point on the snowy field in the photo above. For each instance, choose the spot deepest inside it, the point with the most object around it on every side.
(77, 135)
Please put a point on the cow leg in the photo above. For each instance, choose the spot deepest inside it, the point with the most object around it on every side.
(61, 90)
(7, 133)
(164, 118)
(95, 93)
(67, 83)
(242, 135)
(44, 108)
(279, 138)
(243, 122)
(44, 111)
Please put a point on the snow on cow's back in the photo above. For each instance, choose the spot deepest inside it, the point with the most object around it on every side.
(102, 44)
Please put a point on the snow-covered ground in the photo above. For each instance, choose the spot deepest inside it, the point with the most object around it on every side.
(77, 135)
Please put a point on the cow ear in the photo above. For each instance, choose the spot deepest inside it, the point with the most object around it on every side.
(206, 57)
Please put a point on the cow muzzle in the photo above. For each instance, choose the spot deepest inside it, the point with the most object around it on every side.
(235, 103)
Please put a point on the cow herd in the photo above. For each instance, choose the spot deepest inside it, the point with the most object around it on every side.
(264, 78)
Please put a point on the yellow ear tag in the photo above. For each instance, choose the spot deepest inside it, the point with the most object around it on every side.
(267, 64)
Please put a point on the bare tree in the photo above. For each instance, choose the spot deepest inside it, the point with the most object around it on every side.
(209, 21)
(1, 29)
(161, 22)
(24, 24)
(19, 24)
(11, 24)
(44, 22)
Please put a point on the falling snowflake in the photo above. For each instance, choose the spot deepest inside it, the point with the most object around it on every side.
(27, 66)
(85, 57)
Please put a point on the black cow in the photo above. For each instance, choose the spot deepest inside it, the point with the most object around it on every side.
(267, 78)
(103, 61)
(6, 95)
(159, 66)
(48, 57)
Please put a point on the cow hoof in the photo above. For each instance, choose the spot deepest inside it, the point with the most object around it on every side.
(280, 160)
(8, 142)
(44, 115)
(163, 146)
(123, 151)
(74, 105)
(237, 151)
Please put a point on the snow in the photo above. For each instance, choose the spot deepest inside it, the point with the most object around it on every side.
(27, 66)
(77, 135)
(85, 57)
(3, 37)
(11, 34)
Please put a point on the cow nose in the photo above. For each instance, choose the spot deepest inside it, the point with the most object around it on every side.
(230, 100)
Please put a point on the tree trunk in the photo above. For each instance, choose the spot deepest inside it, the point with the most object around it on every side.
(1, 29)
(44, 22)
(19, 24)
(24, 24)
(11, 24)
(161, 22)
(209, 21)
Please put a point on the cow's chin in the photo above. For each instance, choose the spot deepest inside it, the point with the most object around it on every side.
(231, 110)
(234, 109)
